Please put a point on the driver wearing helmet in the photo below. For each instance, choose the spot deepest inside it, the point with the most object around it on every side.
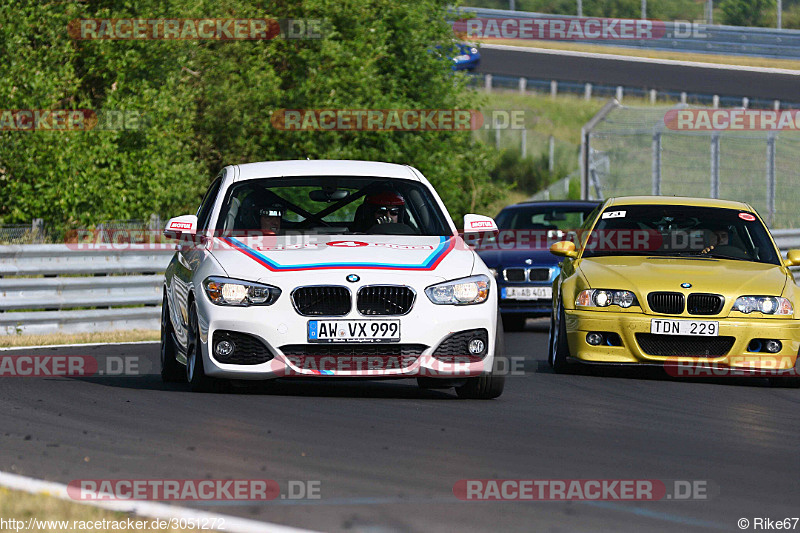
(270, 217)
(385, 207)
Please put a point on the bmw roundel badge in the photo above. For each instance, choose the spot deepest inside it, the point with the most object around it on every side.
(686, 285)
(352, 278)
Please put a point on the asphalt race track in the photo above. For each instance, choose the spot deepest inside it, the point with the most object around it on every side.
(388, 454)
(721, 81)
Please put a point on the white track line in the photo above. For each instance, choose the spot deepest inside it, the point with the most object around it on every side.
(635, 59)
(149, 509)
(88, 344)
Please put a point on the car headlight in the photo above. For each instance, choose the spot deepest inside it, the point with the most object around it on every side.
(225, 291)
(465, 291)
(769, 305)
(605, 297)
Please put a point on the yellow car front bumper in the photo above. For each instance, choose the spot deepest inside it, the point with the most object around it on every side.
(627, 325)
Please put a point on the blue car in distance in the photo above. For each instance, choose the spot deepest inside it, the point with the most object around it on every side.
(467, 58)
(520, 259)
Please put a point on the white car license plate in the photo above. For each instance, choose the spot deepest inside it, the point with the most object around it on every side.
(353, 331)
(527, 293)
(662, 326)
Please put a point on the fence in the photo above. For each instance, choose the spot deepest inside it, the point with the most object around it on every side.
(688, 37)
(82, 290)
(630, 151)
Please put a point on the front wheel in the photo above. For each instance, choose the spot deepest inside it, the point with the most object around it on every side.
(171, 370)
(558, 347)
(492, 385)
(195, 372)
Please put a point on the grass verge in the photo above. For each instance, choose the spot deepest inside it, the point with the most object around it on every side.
(9, 341)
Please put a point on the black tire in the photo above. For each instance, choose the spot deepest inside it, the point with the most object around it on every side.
(788, 382)
(558, 347)
(171, 371)
(195, 373)
(489, 386)
(514, 322)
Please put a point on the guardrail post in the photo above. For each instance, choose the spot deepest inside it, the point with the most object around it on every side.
(523, 85)
(715, 101)
(745, 102)
(776, 105)
(653, 93)
(487, 83)
(587, 91)
(715, 165)
(656, 164)
(770, 178)
(553, 89)
(683, 97)
(523, 148)
(551, 154)
(619, 93)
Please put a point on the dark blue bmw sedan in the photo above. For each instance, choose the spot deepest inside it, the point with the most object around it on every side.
(520, 258)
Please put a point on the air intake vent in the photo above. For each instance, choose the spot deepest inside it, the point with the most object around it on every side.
(538, 274)
(684, 345)
(385, 300)
(668, 303)
(704, 304)
(322, 301)
(515, 274)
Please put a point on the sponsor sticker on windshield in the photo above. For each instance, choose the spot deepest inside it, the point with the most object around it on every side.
(747, 216)
(614, 214)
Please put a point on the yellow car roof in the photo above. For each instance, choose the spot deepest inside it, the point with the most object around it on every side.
(676, 200)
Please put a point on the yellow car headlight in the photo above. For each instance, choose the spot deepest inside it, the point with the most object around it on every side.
(768, 305)
(605, 298)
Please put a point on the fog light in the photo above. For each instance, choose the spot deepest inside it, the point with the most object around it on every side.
(476, 346)
(594, 338)
(224, 348)
(773, 346)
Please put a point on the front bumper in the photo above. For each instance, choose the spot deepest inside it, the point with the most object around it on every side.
(627, 325)
(279, 325)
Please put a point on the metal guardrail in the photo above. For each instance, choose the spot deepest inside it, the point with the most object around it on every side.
(83, 289)
(75, 303)
(700, 38)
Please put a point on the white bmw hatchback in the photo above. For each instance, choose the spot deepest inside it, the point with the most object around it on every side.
(338, 269)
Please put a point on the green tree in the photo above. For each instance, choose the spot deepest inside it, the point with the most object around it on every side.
(744, 12)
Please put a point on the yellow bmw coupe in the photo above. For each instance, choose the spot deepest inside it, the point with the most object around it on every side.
(695, 285)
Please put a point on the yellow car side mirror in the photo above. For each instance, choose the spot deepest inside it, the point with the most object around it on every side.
(567, 249)
(792, 258)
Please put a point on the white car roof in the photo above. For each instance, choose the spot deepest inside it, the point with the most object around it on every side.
(302, 167)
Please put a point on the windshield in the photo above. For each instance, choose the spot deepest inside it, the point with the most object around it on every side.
(680, 231)
(544, 217)
(334, 205)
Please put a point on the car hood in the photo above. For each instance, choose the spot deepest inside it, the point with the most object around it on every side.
(719, 276)
(321, 258)
(505, 258)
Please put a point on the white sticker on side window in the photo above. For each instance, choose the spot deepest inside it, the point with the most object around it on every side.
(614, 214)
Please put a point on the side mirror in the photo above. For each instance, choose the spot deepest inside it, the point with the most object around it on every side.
(479, 224)
(181, 226)
(792, 258)
(564, 249)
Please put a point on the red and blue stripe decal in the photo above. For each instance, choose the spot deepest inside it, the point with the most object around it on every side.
(446, 245)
